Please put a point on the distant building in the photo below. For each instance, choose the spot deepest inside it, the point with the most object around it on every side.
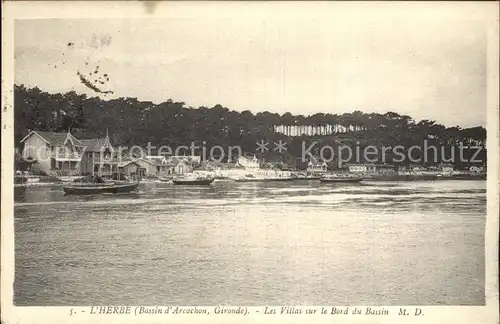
(138, 167)
(411, 169)
(248, 163)
(170, 165)
(360, 168)
(160, 163)
(370, 168)
(179, 166)
(446, 168)
(317, 167)
(417, 168)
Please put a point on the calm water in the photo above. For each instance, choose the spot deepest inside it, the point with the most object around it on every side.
(302, 243)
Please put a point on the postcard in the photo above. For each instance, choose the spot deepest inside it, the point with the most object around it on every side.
(250, 162)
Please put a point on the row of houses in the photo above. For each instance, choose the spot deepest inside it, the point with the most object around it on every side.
(62, 154)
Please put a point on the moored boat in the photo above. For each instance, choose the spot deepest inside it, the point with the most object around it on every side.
(468, 176)
(99, 188)
(267, 178)
(264, 179)
(341, 179)
(68, 178)
(193, 180)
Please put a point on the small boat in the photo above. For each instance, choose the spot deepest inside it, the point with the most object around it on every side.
(309, 177)
(340, 179)
(469, 176)
(253, 178)
(193, 180)
(266, 179)
(68, 178)
(98, 188)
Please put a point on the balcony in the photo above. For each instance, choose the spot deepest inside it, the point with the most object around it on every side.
(66, 156)
(98, 158)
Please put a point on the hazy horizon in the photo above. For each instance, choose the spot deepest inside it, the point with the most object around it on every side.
(427, 64)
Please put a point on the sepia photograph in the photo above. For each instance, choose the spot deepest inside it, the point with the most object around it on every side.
(319, 156)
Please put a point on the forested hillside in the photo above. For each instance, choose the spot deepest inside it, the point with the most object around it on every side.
(133, 122)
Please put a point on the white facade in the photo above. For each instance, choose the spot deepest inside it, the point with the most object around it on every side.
(257, 173)
(249, 163)
(446, 168)
(63, 155)
(317, 167)
(358, 168)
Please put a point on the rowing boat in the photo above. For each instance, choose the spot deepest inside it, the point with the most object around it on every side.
(341, 179)
(99, 188)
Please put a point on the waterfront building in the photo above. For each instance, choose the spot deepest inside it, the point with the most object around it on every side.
(138, 167)
(371, 168)
(99, 157)
(176, 164)
(360, 168)
(411, 169)
(249, 163)
(62, 154)
(317, 167)
(446, 168)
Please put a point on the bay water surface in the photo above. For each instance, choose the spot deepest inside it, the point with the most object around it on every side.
(283, 243)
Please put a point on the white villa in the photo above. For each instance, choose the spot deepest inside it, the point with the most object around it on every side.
(62, 154)
(248, 164)
(317, 167)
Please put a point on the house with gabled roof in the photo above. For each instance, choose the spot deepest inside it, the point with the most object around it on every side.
(249, 163)
(62, 154)
(138, 167)
(99, 157)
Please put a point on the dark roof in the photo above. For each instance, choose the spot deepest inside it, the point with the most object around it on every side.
(122, 164)
(94, 144)
(53, 138)
(75, 140)
(56, 139)
(156, 161)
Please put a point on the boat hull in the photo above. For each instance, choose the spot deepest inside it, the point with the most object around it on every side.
(468, 177)
(99, 189)
(204, 182)
(265, 180)
(341, 180)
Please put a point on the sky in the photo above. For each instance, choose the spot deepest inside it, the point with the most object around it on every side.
(300, 58)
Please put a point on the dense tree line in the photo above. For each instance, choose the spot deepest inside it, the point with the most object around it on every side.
(133, 122)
